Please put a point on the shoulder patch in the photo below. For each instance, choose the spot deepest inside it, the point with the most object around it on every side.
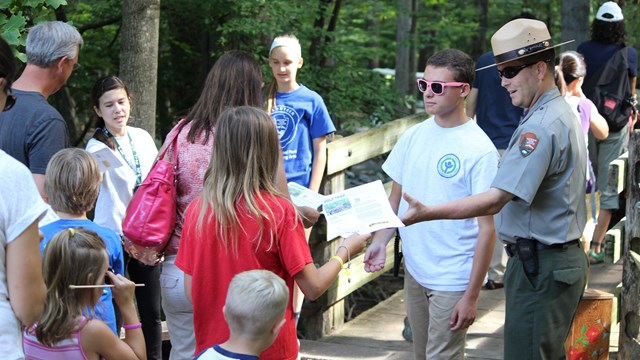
(528, 143)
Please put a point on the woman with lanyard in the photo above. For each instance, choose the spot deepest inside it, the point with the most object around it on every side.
(136, 152)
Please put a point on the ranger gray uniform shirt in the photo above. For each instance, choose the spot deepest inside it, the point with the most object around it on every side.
(544, 168)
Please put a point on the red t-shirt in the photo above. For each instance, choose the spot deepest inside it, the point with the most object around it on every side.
(211, 269)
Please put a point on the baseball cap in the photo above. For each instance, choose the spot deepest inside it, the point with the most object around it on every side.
(609, 12)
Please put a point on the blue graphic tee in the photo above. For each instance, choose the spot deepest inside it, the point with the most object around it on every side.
(300, 117)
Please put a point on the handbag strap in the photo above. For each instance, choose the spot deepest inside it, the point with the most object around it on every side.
(173, 144)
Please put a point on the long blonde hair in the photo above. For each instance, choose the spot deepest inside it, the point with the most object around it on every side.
(244, 163)
(272, 87)
(73, 256)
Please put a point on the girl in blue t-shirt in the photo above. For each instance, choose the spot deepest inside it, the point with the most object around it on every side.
(300, 115)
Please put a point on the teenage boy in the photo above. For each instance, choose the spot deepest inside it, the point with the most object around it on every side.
(539, 193)
(443, 158)
(254, 311)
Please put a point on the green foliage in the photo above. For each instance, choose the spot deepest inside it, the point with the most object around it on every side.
(338, 63)
(17, 15)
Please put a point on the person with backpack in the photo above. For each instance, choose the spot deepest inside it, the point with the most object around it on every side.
(610, 82)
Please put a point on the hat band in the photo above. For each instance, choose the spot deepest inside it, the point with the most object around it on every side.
(522, 52)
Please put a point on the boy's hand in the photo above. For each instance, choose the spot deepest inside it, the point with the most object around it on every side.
(463, 314)
(415, 211)
(375, 257)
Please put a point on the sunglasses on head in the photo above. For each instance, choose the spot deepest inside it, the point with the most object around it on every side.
(437, 87)
(511, 71)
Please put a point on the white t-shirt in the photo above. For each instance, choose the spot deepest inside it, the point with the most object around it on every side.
(20, 206)
(436, 165)
(117, 184)
(218, 353)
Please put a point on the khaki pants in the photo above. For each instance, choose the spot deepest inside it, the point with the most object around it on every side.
(429, 314)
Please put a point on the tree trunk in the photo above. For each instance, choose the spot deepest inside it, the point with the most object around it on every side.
(480, 45)
(404, 41)
(139, 59)
(575, 22)
(318, 25)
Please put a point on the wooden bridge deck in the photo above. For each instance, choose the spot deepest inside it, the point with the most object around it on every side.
(376, 334)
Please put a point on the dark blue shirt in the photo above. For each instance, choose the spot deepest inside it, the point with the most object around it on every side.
(596, 54)
(495, 113)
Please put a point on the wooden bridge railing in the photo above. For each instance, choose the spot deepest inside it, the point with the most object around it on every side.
(325, 314)
(629, 341)
(622, 241)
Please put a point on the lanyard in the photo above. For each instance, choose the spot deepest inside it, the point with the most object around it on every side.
(135, 168)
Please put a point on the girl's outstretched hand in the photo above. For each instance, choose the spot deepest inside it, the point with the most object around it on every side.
(356, 243)
(123, 289)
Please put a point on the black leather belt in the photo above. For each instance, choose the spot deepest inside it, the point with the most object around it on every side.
(512, 249)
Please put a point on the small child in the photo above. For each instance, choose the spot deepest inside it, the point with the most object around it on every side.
(79, 257)
(72, 185)
(302, 120)
(254, 311)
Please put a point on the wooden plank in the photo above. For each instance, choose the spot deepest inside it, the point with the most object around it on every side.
(617, 179)
(629, 347)
(354, 149)
(613, 242)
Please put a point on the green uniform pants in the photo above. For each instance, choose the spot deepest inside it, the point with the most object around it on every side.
(539, 310)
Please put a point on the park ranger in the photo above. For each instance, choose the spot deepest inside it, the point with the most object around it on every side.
(538, 194)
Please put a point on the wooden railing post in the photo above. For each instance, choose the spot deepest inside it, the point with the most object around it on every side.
(629, 341)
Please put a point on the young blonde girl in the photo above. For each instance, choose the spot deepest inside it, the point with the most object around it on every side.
(242, 222)
(79, 257)
(300, 115)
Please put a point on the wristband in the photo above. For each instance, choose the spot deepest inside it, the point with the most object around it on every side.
(132, 326)
(347, 269)
(336, 257)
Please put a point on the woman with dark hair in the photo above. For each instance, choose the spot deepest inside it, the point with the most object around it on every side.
(21, 209)
(607, 37)
(234, 80)
(136, 151)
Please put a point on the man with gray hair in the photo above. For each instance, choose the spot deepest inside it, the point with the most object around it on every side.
(32, 130)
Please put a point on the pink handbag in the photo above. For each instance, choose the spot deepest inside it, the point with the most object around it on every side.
(151, 214)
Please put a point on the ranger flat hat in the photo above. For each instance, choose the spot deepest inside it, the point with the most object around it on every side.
(520, 38)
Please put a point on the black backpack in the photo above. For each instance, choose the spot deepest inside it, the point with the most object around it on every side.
(610, 90)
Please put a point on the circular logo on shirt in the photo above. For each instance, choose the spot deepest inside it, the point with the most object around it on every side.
(448, 166)
(286, 120)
